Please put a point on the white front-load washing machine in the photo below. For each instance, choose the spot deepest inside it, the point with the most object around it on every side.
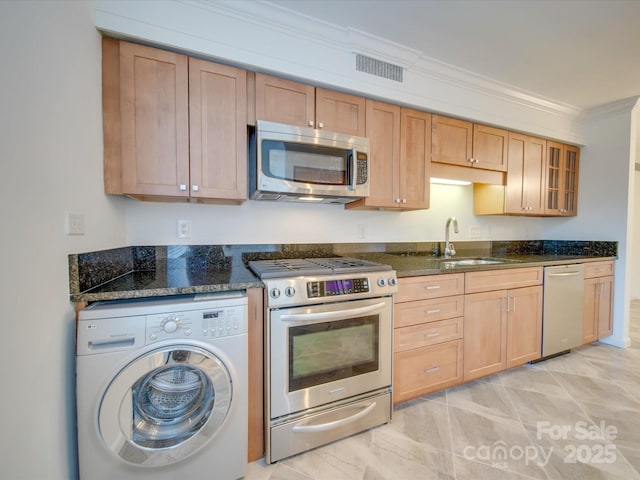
(161, 387)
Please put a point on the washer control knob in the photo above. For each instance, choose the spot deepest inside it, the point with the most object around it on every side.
(289, 291)
(381, 282)
(170, 325)
(275, 293)
(392, 281)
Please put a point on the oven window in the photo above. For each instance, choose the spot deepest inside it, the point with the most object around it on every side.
(304, 163)
(325, 352)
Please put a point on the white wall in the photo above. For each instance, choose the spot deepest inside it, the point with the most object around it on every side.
(271, 222)
(51, 154)
(635, 270)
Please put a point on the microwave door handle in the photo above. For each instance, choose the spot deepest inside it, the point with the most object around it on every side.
(353, 168)
(333, 315)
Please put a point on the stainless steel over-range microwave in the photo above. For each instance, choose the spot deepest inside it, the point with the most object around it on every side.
(306, 164)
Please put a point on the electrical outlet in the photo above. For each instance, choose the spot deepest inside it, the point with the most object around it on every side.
(184, 228)
(362, 231)
(475, 232)
(74, 224)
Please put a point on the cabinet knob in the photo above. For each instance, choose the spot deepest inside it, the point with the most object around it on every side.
(404, 200)
(195, 188)
(182, 187)
(310, 123)
(320, 125)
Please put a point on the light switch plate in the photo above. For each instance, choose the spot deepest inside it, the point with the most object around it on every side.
(74, 223)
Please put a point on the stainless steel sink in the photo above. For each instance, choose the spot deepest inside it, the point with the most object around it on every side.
(468, 262)
(474, 261)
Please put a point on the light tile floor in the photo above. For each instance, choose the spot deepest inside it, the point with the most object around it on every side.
(572, 417)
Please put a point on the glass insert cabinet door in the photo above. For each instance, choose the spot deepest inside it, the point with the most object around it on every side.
(562, 179)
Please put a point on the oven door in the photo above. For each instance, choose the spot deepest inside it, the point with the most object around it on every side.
(328, 352)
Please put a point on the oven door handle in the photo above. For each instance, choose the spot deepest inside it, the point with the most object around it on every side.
(323, 427)
(332, 315)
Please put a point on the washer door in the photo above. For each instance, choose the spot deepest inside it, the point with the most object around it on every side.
(165, 405)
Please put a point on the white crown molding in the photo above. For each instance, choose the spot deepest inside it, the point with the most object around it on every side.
(626, 105)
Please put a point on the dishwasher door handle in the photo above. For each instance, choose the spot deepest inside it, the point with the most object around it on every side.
(564, 274)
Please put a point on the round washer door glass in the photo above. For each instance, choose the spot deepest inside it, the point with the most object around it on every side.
(165, 405)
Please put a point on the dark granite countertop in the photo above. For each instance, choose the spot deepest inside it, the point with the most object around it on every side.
(151, 271)
(416, 265)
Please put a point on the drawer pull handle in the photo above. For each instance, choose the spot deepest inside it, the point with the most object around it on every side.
(431, 335)
(433, 369)
(432, 287)
(431, 312)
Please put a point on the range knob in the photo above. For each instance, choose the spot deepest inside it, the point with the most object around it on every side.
(392, 281)
(274, 293)
(170, 324)
(381, 282)
(289, 291)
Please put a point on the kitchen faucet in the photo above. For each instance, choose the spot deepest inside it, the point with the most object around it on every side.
(449, 251)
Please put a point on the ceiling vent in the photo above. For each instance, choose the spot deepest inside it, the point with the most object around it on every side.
(376, 67)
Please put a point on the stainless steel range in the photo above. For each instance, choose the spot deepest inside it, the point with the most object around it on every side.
(329, 324)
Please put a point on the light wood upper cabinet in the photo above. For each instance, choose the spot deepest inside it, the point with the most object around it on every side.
(562, 179)
(524, 193)
(462, 143)
(217, 131)
(153, 159)
(293, 103)
(174, 127)
(399, 165)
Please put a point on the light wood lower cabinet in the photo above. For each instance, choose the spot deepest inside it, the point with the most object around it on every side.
(423, 370)
(427, 345)
(502, 320)
(598, 301)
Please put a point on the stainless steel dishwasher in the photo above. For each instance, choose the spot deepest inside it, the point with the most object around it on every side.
(563, 308)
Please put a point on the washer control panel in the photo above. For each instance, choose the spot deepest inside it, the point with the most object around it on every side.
(197, 324)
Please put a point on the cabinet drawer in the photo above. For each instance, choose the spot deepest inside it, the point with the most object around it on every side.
(431, 286)
(413, 313)
(487, 280)
(417, 336)
(423, 370)
(598, 269)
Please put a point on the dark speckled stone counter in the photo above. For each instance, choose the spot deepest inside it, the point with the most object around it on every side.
(150, 271)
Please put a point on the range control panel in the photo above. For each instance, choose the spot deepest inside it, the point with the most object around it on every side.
(304, 290)
(330, 288)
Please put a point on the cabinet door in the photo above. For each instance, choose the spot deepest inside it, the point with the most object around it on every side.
(415, 158)
(485, 334)
(524, 325)
(284, 101)
(605, 307)
(490, 148)
(526, 174)
(570, 180)
(451, 141)
(590, 310)
(383, 131)
(340, 112)
(562, 179)
(154, 121)
(217, 113)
